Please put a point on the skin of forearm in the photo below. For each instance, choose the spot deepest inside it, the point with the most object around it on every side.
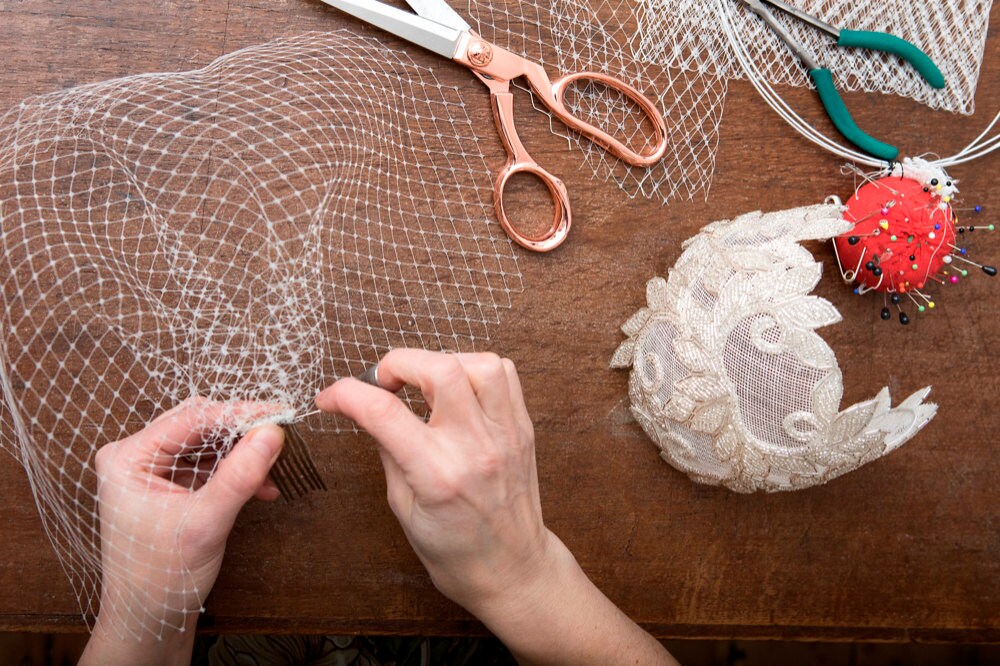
(561, 618)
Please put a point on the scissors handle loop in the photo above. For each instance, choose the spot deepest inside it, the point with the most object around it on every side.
(553, 95)
(561, 218)
(496, 67)
(519, 161)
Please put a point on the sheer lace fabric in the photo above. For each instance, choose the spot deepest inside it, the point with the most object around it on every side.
(728, 376)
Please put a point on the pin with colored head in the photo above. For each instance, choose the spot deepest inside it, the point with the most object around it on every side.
(907, 239)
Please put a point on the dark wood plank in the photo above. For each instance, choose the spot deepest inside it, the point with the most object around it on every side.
(905, 548)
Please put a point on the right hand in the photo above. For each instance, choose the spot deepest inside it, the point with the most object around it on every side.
(463, 485)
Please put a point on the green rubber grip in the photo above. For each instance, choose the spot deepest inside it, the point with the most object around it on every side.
(842, 120)
(880, 41)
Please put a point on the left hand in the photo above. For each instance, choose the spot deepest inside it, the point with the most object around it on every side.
(164, 525)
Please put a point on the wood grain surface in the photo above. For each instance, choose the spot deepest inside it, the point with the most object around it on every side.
(904, 548)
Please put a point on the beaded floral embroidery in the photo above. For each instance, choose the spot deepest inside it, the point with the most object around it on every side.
(728, 375)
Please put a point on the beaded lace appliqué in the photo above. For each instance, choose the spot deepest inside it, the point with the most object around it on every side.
(728, 375)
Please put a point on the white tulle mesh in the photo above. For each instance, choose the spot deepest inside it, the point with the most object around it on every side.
(250, 231)
(688, 35)
(255, 229)
(576, 35)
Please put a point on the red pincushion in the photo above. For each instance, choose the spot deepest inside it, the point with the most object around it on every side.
(923, 227)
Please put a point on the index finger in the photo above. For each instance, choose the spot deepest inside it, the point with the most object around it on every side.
(384, 416)
(441, 379)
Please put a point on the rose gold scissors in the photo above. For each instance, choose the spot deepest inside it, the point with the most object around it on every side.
(438, 28)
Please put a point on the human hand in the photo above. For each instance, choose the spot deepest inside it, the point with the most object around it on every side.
(464, 485)
(165, 517)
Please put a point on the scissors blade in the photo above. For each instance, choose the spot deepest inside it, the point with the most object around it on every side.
(421, 31)
(440, 11)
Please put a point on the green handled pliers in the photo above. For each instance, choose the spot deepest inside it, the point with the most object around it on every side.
(834, 105)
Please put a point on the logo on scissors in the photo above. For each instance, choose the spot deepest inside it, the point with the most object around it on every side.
(480, 54)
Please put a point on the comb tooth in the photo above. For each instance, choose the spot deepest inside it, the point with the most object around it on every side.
(278, 476)
(294, 472)
(291, 489)
(310, 465)
(295, 464)
(291, 474)
(300, 455)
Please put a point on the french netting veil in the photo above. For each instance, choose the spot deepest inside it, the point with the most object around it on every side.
(682, 54)
(252, 230)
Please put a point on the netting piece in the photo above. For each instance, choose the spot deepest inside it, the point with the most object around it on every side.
(249, 231)
(688, 35)
(577, 35)
(680, 55)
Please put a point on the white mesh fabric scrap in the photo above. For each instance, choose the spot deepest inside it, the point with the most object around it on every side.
(689, 34)
(578, 35)
(728, 376)
(249, 231)
(679, 53)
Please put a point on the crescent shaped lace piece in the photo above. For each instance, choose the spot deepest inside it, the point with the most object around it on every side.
(250, 231)
(728, 375)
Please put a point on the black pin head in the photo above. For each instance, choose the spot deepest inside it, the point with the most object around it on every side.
(903, 319)
(886, 315)
(853, 240)
(870, 265)
(877, 272)
(990, 270)
(896, 299)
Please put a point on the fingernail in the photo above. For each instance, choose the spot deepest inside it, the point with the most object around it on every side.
(266, 440)
(325, 396)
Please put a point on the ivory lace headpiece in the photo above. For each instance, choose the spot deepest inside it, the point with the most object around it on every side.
(729, 377)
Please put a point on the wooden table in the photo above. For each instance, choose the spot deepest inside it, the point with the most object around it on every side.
(906, 548)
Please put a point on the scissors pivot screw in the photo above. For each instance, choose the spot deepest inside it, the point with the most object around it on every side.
(480, 54)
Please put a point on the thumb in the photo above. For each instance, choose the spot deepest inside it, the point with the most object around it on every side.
(242, 473)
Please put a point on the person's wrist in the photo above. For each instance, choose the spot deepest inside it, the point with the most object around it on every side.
(167, 606)
(128, 639)
(519, 603)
